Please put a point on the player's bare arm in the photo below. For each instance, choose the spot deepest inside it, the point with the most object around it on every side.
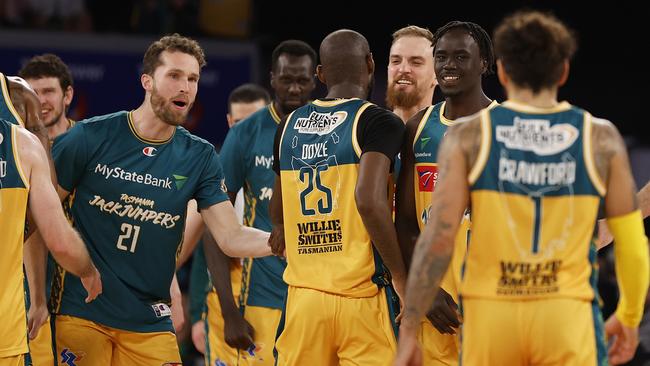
(193, 231)
(405, 215)
(644, 200)
(238, 333)
(376, 212)
(35, 259)
(62, 241)
(607, 143)
(631, 249)
(234, 239)
(275, 211)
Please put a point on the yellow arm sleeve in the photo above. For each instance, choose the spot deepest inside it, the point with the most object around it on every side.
(632, 268)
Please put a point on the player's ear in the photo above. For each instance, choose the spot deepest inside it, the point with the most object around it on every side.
(67, 95)
(501, 73)
(565, 73)
(320, 74)
(272, 79)
(147, 82)
(371, 63)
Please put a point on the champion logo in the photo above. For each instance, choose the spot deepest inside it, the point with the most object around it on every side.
(150, 151)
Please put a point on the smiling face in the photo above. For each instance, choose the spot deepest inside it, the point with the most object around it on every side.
(410, 71)
(54, 100)
(174, 85)
(458, 63)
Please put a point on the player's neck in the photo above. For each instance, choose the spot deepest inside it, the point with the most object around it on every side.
(149, 126)
(465, 104)
(545, 98)
(347, 90)
(278, 109)
(59, 127)
(406, 113)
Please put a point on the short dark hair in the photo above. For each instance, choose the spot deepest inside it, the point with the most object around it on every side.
(47, 65)
(477, 32)
(533, 47)
(293, 47)
(248, 93)
(171, 43)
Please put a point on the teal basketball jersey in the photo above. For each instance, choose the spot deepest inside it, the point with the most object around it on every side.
(247, 160)
(130, 202)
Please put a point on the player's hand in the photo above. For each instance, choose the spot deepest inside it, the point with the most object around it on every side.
(93, 284)
(443, 314)
(625, 341)
(238, 333)
(276, 241)
(198, 336)
(399, 287)
(408, 350)
(36, 317)
(605, 237)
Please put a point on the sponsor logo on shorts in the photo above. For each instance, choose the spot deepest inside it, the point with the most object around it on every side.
(253, 352)
(68, 357)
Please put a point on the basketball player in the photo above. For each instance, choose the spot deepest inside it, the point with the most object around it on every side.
(132, 174)
(247, 156)
(50, 78)
(462, 53)
(333, 157)
(536, 170)
(411, 78)
(243, 101)
(25, 183)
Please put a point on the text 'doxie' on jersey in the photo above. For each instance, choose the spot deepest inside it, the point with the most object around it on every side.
(327, 245)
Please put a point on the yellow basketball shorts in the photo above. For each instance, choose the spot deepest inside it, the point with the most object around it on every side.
(265, 322)
(40, 348)
(320, 328)
(19, 360)
(546, 332)
(217, 352)
(438, 349)
(85, 343)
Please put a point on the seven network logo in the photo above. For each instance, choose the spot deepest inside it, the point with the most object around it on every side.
(146, 179)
